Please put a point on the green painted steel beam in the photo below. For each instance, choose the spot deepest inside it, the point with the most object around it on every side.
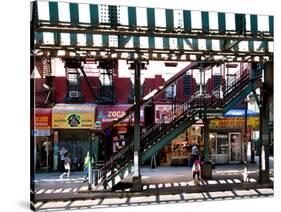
(96, 148)
(250, 87)
(166, 43)
(180, 43)
(89, 39)
(74, 13)
(187, 20)
(271, 24)
(54, 12)
(120, 173)
(251, 45)
(94, 15)
(136, 41)
(39, 37)
(113, 16)
(73, 38)
(150, 18)
(222, 24)
(254, 24)
(123, 40)
(195, 44)
(169, 19)
(240, 23)
(205, 22)
(132, 18)
(105, 40)
(209, 45)
(151, 42)
(166, 139)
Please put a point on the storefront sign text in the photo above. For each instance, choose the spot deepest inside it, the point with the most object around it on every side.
(230, 123)
(73, 120)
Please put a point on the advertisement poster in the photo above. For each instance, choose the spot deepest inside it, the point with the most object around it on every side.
(164, 112)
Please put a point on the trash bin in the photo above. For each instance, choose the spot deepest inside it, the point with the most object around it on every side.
(206, 170)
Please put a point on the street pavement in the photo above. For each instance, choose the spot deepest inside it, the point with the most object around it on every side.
(163, 184)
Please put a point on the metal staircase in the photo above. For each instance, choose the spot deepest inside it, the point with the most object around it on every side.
(46, 62)
(158, 135)
(89, 82)
(155, 92)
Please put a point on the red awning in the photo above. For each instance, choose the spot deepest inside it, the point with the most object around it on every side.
(41, 118)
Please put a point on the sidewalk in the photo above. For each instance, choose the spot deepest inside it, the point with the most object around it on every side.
(164, 180)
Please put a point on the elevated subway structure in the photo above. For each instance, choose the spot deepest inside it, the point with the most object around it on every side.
(115, 32)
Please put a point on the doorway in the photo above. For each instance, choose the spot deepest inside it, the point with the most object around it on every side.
(235, 147)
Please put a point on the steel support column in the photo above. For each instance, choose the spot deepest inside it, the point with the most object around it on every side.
(137, 176)
(266, 92)
(90, 173)
(206, 139)
(245, 134)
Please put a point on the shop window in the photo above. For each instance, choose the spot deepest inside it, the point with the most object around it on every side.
(222, 144)
(74, 86)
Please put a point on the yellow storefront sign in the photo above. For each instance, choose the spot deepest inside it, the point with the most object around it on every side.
(253, 122)
(73, 120)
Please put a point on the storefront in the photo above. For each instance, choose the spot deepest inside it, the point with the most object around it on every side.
(43, 145)
(178, 152)
(72, 125)
(226, 138)
(121, 132)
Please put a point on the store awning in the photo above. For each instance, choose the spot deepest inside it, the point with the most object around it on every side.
(73, 116)
(109, 113)
(62, 108)
(41, 118)
(240, 112)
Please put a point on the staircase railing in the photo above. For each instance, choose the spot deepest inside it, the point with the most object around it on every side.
(188, 109)
(218, 99)
(153, 94)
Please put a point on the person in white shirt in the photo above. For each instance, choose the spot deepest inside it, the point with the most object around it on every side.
(63, 151)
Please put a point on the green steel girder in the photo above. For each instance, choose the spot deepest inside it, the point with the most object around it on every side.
(166, 139)
(250, 87)
(118, 176)
(188, 122)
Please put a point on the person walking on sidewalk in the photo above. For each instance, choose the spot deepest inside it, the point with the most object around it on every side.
(195, 153)
(67, 165)
(86, 166)
(63, 151)
(196, 169)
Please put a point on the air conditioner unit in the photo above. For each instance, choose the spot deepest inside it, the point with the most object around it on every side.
(74, 94)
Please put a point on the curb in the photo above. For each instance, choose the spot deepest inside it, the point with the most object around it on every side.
(158, 191)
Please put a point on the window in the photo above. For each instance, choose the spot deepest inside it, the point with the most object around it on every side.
(105, 89)
(171, 91)
(187, 85)
(73, 78)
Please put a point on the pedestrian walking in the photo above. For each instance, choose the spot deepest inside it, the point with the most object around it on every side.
(67, 165)
(86, 166)
(63, 151)
(196, 170)
(195, 153)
